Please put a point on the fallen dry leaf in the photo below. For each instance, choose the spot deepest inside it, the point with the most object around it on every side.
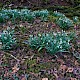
(53, 25)
(38, 59)
(44, 78)
(15, 69)
(35, 74)
(76, 62)
(55, 74)
(61, 61)
(63, 67)
(73, 79)
(23, 78)
(70, 69)
(6, 74)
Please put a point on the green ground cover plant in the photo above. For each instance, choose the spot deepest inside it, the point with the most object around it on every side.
(76, 20)
(52, 43)
(43, 14)
(3, 17)
(39, 42)
(58, 14)
(62, 21)
(7, 39)
(27, 15)
(22, 15)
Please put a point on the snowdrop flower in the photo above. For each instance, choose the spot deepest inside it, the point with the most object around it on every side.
(5, 32)
(48, 40)
(39, 34)
(60, 41)
(61, 47)
(47, 43)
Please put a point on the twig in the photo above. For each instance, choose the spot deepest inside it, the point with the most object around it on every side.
(29, 2)
(56, 56)
(13, 56)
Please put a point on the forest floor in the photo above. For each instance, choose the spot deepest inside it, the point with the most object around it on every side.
(23, 63)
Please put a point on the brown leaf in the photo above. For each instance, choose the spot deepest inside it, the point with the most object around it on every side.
(63, 67)
(44, 78)
(73, 79)
(55, 74)
(38, 59)
(76, 62)
(35, 74)
(75, 26)
(61, 61)
(70, 69)
(15, 69)
(53, 25)
(23, 78)
(6, 74)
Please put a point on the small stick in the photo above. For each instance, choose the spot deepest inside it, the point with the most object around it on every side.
(13, 56)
